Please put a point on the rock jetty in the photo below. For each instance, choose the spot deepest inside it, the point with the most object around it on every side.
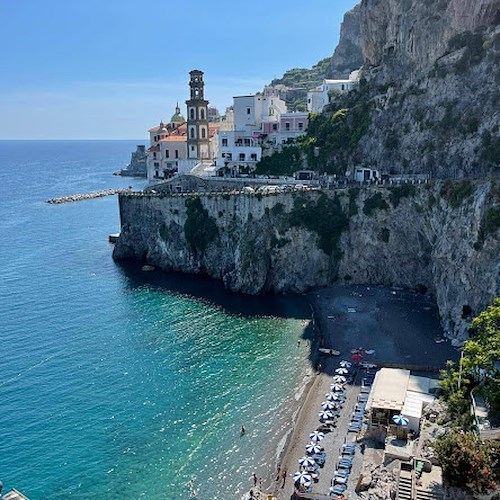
(86, 196)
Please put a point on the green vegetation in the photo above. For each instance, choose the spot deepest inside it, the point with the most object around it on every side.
(324, 217)
(285, 162)
(304, 77)
(375, 202)
(492, 220)
(399, 192)
(456, 192)
(200, 229)
(331, 138)
(473, 53)
(490, 148)
(466, 461)
(353, 205)
(384, 235)
(460, 453)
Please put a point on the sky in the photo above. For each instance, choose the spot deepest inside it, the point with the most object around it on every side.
(111, 69)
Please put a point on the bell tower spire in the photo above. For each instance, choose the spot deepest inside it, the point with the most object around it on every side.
(198, 141)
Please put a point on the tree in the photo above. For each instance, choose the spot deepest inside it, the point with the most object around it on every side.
(466, 461)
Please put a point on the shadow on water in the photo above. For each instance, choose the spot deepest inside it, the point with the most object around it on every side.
(212, 291)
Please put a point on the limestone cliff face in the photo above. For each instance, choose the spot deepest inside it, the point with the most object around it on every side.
(348, 55)
(431, 84)
(417, 32)
(257, 246)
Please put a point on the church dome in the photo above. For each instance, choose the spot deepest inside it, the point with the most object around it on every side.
(177, 116)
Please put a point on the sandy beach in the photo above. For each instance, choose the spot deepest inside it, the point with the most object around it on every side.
(401, 328)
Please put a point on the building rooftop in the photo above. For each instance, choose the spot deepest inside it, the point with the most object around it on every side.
(174, 138)
(389, 389)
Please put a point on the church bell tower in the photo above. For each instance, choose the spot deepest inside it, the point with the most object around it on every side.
(198, 140)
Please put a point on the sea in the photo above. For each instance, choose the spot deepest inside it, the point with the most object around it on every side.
(119, 383)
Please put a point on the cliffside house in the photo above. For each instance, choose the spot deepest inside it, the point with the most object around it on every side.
(255, 124)
(319, 97)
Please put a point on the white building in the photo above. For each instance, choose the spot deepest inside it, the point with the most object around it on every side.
(255, 120)
(319, 97)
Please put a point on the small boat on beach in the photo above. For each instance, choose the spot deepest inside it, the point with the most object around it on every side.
(330, 352)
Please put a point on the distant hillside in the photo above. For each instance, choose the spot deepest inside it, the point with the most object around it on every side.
(304, 77)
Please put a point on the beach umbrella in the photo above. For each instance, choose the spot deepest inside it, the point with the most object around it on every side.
(400, 420)
(342, 371)
(328, 405)
(325, 415)
(345, 364)
(337, 387)
(314, 448)
(339, 379)
(316, 436)
(356, 357)
(333, 396)
(302, 477)
(307, 462)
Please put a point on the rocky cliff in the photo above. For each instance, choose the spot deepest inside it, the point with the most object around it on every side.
(443, 238)
(433, 77)
(348, 55)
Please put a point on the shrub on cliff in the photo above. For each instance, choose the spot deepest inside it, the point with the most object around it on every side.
(324, 217)
(375, 202)
(456, 192)
(200, 229)
(399, 192)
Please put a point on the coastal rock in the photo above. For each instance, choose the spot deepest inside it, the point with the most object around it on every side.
(348, 55)
(137, 166)
(425, 240)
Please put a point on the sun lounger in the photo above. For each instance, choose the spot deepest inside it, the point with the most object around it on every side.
(341, 473)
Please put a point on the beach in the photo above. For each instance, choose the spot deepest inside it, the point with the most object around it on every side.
(402, 329)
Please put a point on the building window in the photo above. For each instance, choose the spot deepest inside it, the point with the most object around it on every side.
(287, 126)
(157, 164)
(192, 148)
(271, 111)
(301, 126)
(253, 156)
(177, 153)
(192, 133)
(191, 114)
(154, 155)
(203, 133)
(343, 87)
(224, 142)
(275, 126)
(247, 142)
(167, 154)
(242, 157)
(248, 111)
(202, 114)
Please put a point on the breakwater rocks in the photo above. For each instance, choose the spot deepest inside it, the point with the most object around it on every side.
(86, 196)
(443, 238)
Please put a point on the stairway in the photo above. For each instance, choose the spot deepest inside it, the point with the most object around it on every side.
(404, 486)
(424, 494)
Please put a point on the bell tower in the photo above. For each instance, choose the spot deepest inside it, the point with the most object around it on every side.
(198, 140)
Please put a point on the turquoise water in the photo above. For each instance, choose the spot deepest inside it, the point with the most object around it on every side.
(115, 383)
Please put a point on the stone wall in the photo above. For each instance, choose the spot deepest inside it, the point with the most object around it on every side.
(426, 239)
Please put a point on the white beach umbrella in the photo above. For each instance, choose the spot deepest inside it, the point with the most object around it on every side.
(339, 379)
(302, 477)
(328, 405)
(400, 420)
(307, 462)
(333, 396)
(314, 448)
(337, 387)
(342, 371)
(316, 436)
(345, 364)
(325, 415)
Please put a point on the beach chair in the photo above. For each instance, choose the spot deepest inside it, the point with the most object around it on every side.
(340, 473)
(338, 489)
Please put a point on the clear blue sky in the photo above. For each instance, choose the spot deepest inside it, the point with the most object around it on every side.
(111, 69)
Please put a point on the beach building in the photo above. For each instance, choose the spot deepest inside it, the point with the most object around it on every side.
(397, 392)
(320, 96)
